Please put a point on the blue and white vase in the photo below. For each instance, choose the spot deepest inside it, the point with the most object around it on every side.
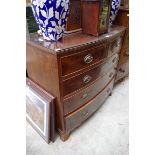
(114, 10)
(51, 17)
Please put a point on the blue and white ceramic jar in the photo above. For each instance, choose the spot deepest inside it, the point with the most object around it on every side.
(51, 17)
(114, 10)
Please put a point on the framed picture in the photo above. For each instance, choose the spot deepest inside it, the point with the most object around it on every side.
(40, 110)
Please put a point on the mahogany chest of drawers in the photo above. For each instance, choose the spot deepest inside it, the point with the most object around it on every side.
(79, 71)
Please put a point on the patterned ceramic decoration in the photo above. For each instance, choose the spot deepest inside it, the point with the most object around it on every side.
(114, 9)
(51, 17)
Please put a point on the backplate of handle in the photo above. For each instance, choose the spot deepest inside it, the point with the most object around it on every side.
(88, 58)
(87, 79)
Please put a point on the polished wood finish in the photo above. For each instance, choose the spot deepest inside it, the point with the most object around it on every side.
(74, 19)
(77, 100)
(95, 16)
(46, 61)
(78, 117)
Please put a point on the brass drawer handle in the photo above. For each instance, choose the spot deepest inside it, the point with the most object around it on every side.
(126, 54)
(88, 58)
(111, 74)
(118, 42)
(108, 90)
(87, 79)
(85, 96)
(115, 59)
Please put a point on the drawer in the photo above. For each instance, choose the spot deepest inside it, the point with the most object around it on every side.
(122, 71)
(76, 118)
(86, 78)
(40, 110)
(78, 61)
(115, 46)
(79, 99)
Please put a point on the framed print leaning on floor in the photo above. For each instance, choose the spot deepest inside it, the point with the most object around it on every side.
(40, 110)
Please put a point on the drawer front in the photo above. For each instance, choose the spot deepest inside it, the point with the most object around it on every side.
(115, 46)
(122, 71)
(86, 78)
(83, 59)
(76, 118)
(79, 99)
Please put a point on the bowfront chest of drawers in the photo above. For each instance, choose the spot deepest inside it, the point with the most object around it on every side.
(79, 71)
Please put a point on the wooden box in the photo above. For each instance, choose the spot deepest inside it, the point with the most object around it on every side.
(40, 110)
(95, 16)
(74, 19)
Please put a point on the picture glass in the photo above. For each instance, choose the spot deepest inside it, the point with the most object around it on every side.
(36, 110)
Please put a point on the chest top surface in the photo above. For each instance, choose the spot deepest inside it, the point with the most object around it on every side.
(72, 40)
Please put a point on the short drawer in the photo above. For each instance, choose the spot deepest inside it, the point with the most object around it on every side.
(74, 102)
(83, 59)
(86, 78)
(76, 118)
(115, 46)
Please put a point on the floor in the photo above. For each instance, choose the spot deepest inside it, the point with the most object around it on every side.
(106, 133)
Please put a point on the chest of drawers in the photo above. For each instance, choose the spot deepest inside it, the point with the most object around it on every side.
(79, 71)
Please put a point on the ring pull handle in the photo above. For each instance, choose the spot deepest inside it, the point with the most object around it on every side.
(85, 96)
(85, 113)
(111, 74)
(115, 59)
(87, 79)
(88, 58)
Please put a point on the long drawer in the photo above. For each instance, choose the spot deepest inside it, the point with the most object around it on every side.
(79, 99)
(89, 76)
(80, 60)
(76, 118)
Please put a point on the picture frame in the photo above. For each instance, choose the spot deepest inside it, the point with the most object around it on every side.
(40, 111)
